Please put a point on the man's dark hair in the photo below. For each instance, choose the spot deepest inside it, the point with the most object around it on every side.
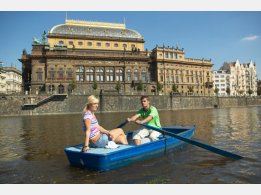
(144, 97)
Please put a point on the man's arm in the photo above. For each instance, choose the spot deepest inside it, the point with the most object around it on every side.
(147, 119)
(133, 118)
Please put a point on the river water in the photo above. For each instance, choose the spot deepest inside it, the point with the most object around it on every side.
(31, 150)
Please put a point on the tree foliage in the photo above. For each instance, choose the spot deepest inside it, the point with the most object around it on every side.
(159, 87)
(216, 90)
(94, 85)
(174, 88)
(140, 86)
(228, 90)
(118, 86)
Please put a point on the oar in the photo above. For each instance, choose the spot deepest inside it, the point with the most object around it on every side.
(196, 143)
(122, 124)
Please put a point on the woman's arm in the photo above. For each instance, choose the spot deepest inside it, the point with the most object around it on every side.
(102, 130)
(87, 135)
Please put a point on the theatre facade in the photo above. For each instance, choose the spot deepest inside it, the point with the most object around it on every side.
(83, 57)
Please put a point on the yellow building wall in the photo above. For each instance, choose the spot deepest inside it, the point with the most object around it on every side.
(55, 41)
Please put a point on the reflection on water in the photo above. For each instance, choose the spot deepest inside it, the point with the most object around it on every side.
(31, 149)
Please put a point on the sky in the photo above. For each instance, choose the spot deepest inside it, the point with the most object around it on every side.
(217, 35)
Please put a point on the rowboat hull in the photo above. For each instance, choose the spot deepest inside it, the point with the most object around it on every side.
(103, 159)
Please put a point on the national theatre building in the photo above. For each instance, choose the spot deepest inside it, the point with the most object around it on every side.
(83, 56)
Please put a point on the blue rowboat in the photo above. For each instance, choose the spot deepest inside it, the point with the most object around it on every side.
(104, 159)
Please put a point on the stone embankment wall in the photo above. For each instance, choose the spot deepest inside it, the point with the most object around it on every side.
(13, 105)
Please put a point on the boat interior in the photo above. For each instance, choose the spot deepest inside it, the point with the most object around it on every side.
(146, 140)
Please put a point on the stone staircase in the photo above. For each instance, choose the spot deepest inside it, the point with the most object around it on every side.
(31, 104)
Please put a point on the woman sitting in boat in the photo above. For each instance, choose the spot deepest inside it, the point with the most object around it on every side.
(95, 135)
(148, 114)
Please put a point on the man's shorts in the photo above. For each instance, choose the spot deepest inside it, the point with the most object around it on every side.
(142, 133)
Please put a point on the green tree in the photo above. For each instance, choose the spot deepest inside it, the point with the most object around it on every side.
(118, 86)
(259, 87)
(228, 90)
(140, 86)
(174, 88)
(190, 89)
(250, 91)
(241, 91)
(159, 87)
(216, 91)
(72, 86)
(133, 84)
(94, 85)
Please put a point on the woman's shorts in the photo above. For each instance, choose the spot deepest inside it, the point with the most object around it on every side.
(101, 142)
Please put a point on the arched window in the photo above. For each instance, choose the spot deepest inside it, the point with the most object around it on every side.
(80, 73)
(51, 88)
(119, 75)
(143, 75)
(39, 74)
(109, 74)
(136, 75)
(99, 74)
(60, 74)
(69, 74)
(128, 75)
(89, 74)
(60, 89)
(52, 74)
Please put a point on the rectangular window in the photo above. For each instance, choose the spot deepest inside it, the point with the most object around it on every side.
(69, 74)
(143, 76)
(109, 78)
(98, 44)
(118, 77)
(136, 77)
(89, 77)
(128, 76)
(79, 77)
(99, 77)
(40, 76)
(89, 44)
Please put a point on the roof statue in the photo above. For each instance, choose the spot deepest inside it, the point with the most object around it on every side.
(44, 38)
(36, 41)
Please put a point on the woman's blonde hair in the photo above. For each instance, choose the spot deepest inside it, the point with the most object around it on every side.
(90, 100)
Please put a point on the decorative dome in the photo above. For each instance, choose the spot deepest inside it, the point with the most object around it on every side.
(95, 29)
